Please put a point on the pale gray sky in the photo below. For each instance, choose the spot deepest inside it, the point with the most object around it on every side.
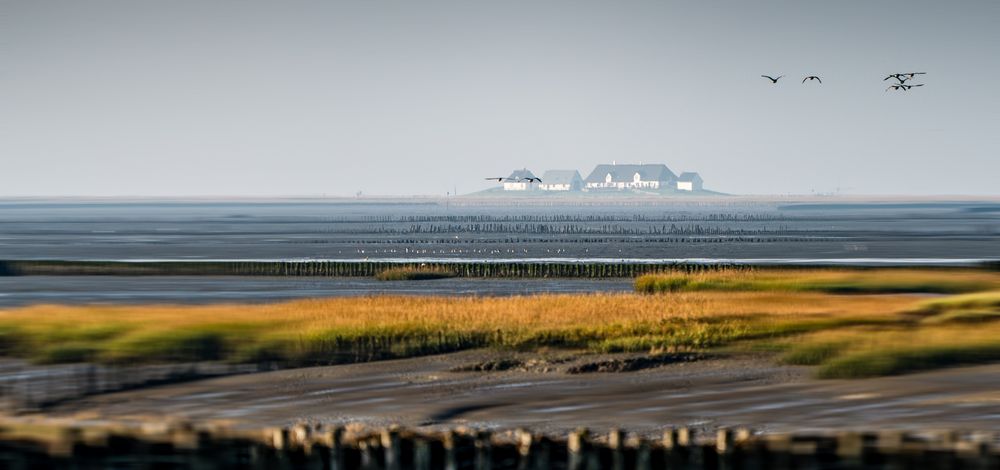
(194, 97)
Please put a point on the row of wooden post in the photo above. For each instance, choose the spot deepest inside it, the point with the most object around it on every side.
(394, 448)
(349, 268)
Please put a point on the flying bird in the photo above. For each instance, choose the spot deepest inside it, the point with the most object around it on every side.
(533, 180)
(497, 179)
(772, 79)
(911, 74)
(903, 87)
(812, 77)
(898, 76)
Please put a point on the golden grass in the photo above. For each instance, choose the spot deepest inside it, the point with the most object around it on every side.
(559, 310)
(843, 281)
(802, 312)
(335, 330)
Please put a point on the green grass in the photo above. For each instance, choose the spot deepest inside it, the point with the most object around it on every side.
(170, 346)
(980, 301)
(933, 334)
(963, 316)
(71, 352)
(906, 360)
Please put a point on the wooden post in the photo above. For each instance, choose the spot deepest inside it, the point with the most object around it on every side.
(690, 452)
(300, 435)
(314, 448)
(890, 446)
(747, 450)
(281, 442)
(334, 455)
(946, 438)
(779, 451)
(367, 460)
(372, 452)
(942, 450)
(484, 450)
(643, 456)
(524, 446)
(724, 447)
(450, 442)
(279, 438)
(724, 441)
(393, 452)
(67, 442)
(578, 449)
(543, 453)
(421, 454)
(671, 457)
(850, 447)
(805, 452)
(616, 443)
(205, 450)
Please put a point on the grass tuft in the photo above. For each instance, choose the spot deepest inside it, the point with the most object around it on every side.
(834, 281)
(901, 361)
(980, 301)
(415, 274)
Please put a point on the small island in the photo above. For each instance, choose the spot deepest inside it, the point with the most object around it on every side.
(604, 179)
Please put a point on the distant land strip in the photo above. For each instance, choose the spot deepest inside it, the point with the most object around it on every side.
(488, 268)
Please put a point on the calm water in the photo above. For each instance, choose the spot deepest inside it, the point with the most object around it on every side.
(675, 230)
(925, 233)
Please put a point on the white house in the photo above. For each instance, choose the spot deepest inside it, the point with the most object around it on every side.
(619, 177)
(518, 180)
(561, 180)
(689, 181)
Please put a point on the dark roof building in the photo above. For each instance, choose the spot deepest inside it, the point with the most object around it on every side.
(521, 174)
(614, 176)
(518, 180)
(561, 180)
(689, 181)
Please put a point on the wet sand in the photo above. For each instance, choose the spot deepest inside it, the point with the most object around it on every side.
(705, 394)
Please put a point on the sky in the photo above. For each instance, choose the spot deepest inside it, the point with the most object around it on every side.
(253, 98)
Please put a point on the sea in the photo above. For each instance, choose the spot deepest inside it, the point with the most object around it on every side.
(707, 230)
